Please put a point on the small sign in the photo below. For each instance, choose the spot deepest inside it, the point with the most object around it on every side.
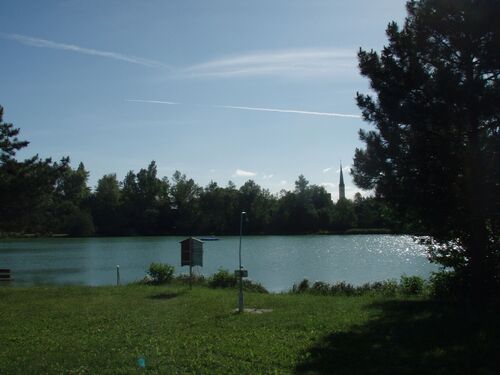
(243, 273)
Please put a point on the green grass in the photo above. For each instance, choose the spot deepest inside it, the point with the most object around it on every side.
(105, 330)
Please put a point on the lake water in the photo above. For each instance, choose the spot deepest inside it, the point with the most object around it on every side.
(275, 261)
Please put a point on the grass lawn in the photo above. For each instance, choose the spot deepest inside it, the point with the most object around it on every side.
(105, 330)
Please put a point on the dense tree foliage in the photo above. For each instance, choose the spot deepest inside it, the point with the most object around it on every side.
(435, 151)
(37, 194)
(45, 197)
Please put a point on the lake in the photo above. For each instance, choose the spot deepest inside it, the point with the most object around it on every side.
(275, 261)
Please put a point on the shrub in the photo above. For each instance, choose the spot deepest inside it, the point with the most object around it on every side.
(222, 279)
(409, 285)
(447, 285)
(412, 285)
(195, 280)
(303, 286)
(320, 287)
(342, 288)
(389, 287)
(161, 273)
(251, 286)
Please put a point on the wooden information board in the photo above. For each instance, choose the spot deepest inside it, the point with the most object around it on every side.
(192, 252)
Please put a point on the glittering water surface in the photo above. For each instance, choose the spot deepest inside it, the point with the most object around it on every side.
(275, 261)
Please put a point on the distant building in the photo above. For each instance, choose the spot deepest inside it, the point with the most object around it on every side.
(341, 184)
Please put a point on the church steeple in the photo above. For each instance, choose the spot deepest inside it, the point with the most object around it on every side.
(341, 184)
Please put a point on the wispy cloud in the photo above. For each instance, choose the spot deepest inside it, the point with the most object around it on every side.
(267, 176)
(242, 173)
(44, 43)
(150, 101)
(319, 62)
(296, 111)
(328, 184)
(345, 169)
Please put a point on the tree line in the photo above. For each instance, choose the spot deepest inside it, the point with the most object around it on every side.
(145, 204)
(45, 197)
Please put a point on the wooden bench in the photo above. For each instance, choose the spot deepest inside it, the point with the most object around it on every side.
(5, 274)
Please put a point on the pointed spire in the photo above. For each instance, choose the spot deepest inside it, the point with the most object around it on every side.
(341, 184)
(341, 175)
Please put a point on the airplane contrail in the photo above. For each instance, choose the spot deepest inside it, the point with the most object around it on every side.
(287, 111)
(150, 101)
(295, 111)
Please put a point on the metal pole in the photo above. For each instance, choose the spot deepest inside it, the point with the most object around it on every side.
(240, 296)
(117, 274)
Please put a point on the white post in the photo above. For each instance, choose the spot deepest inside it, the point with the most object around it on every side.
(240, 295)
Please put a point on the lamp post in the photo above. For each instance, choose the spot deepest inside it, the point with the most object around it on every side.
(240, 296)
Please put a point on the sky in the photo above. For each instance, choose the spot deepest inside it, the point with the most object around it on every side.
(222, 90)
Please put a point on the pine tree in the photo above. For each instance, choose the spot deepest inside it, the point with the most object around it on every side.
(9, 143)
(435, 151)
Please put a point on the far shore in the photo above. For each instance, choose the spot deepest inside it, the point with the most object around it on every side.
(354, 231)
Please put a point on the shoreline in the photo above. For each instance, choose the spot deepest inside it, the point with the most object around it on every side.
(348, 232)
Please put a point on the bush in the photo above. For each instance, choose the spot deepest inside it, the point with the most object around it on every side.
(320, 287)
(409, 285)
(161, 273)
(343, 288)
(447, 285)
(303, 286)
(222, 279)
(389, 287)
(412, 285)
(195, 280)
(251, 286)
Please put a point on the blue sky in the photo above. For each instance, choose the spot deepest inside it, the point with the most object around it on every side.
(220, 90)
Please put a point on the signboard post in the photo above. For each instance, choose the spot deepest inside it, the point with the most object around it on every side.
(240, 272)
(191, 255)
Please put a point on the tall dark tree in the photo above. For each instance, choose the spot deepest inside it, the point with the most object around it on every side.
(373, 213)
(27, 188)
(185, 193)
(436, 148)
(72, 185)
(71, 211)
(307, 209)
(9, 167)
(344, 215)
(106, 206)
(258, 204)
(164, 205)
(9, 143)
(149, 189)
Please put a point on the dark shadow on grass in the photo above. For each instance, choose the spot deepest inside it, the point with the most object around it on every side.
(165, 295)
(411, 337)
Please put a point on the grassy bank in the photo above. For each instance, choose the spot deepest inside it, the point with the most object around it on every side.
(105, 330)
